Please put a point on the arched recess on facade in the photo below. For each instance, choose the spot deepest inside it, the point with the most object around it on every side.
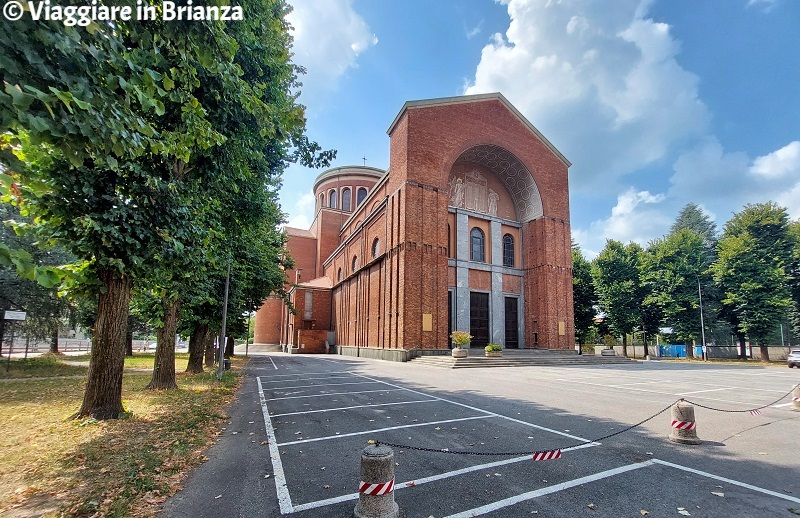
(467, 190)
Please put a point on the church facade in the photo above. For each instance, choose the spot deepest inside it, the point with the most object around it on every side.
(467, 230)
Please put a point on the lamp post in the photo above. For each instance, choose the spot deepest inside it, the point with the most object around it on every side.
(702, 325)
(221, 368)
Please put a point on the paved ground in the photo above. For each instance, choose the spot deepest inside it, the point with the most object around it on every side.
(293, 443)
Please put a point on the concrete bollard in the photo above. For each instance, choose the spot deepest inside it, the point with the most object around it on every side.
(376, 488)
(684, 427)
(796, 399)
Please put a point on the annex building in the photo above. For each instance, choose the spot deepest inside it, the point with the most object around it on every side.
(468, 230)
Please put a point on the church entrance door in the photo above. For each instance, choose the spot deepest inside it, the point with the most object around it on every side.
(512, 330)
(479, 319)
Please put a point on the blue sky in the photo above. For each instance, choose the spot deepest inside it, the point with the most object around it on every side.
(656, 103)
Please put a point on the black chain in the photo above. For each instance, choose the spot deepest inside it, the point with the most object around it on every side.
(520, 453)
(741, 411)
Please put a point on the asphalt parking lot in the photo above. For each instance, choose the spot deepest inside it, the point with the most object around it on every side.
(293, 442)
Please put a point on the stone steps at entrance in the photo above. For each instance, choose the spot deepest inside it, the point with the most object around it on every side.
(520, 358)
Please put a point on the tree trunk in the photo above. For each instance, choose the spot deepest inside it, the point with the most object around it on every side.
(229, 347)
(2, 330)
(129, 341)
(164, 365)
(764, 352)
(54, 341)
(197, 344)
(209, 353)
(624, 345)
(103, 396)
(689, 349)
(742, 347)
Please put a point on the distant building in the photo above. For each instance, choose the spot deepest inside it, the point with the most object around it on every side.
(468, 230)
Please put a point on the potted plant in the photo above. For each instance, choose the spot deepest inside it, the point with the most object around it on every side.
(460, 339)
(494, 350)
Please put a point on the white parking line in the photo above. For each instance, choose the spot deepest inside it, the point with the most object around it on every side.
(728, 480)
(300, 374)
(336, 394)
(558, 432)
(273, 363)
(781, 405)
(307, 379)
(357, 406)
(329, 437)
(701, 391)
(434, 478)
(660, 392)
(328, 385)
(284, 499)
(530, 495)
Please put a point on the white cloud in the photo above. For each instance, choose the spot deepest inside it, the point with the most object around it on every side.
(782, 162)
(767, 5)
(303, 211)
(638, 216)
(600, 80)
(471, 33)
(328, 38)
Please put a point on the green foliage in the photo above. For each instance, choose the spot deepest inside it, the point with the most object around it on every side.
(671, 271)
(460, 338)
(492, 347)
(583, 295)
(616, 278)
(692, 217)
(755, 256)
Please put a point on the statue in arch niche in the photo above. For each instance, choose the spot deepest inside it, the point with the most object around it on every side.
(456, 192)
(493, 199)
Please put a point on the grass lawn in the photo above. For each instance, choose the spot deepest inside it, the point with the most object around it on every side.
(54, 466)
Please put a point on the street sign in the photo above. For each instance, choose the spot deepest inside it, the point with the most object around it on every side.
(14, 315)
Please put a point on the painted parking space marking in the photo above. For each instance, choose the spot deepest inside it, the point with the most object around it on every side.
(520, 421)
(660, 392)
(706, 390)
(309, 379)
(334, 394)
(284, 499)
(365, 432)
(530, 495)
(728, 480)
(433, 478)
(273, 363)
(356, 406)
(326, 385)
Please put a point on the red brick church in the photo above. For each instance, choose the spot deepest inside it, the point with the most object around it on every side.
(467, 230)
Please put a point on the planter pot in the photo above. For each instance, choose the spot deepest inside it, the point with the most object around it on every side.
(459, 353)
(493, 354)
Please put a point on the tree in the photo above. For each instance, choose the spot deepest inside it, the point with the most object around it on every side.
(122, 124)
(693, 218)
(755, 255)
(46, 309)
(672, 271)
(583, 294)
(616, 278)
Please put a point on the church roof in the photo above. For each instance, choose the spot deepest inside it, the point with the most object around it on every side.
(298, 232)
(319, 282)
(495, 96)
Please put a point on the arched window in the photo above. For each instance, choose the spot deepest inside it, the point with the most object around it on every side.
(376, 248)
(339, 276)
(355, 263)
(508, 250)
(346, 199)
(477, 249)
(332, 198)
(360, 195)
(321, 200)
